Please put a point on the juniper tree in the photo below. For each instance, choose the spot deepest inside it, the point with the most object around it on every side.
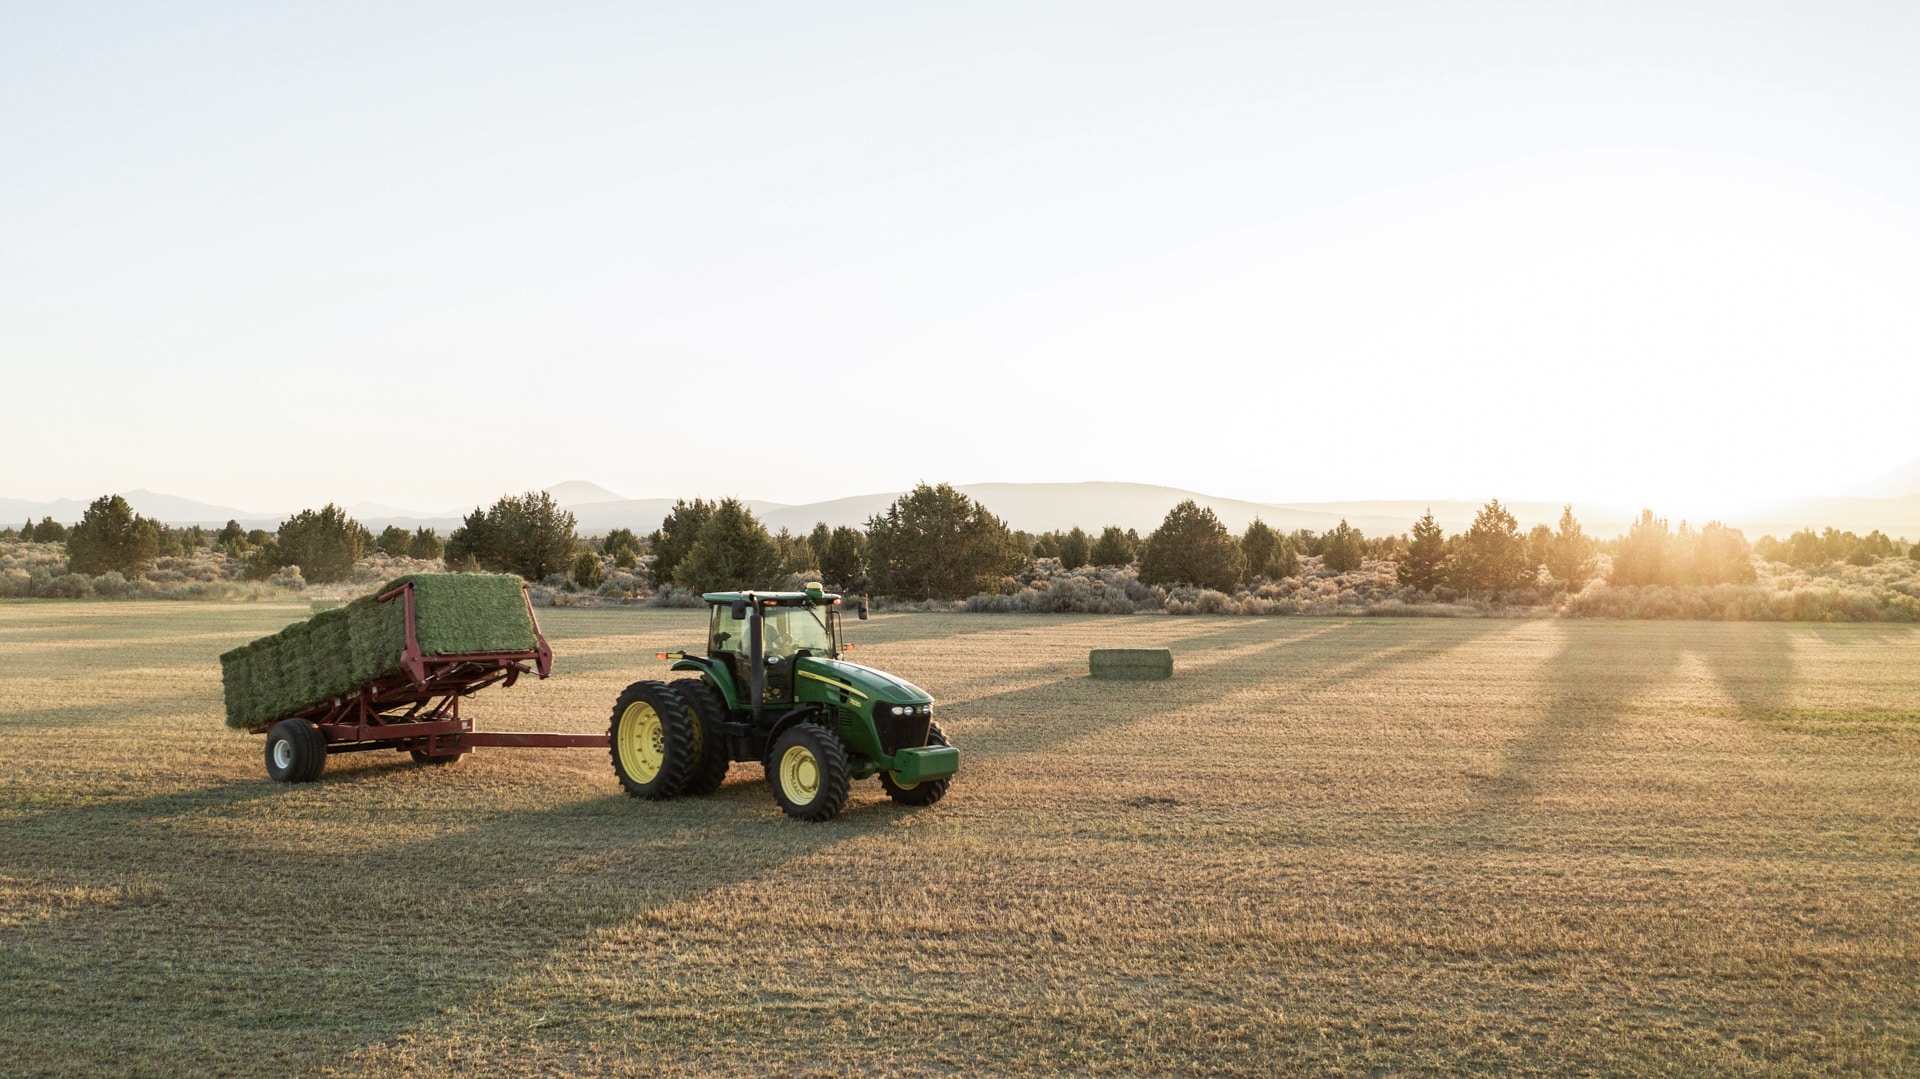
(1191, 546)
(394, 541)
(1424, 566)
(674, 538)
(1343, 549)
(424, 544)
(1075, 549)
(1569, 554)
(936, 543)
(1259, 544)
(324, 543)
(1113, 548)
(1492, 556)
(110, 536)
(842, 559)
(731, 551)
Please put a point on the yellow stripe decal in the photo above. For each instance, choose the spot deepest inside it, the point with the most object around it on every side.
(831, 682)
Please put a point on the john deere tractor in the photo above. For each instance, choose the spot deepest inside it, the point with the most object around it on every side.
(772, 687)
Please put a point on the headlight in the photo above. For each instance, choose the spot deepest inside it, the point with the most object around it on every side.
(899, 711)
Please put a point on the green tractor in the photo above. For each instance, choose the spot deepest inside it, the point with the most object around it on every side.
(772, 688)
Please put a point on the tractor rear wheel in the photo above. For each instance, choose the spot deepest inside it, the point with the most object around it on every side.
(809, 772)
(651, 740)
(709, 710)
(296, 752)
(927, 791)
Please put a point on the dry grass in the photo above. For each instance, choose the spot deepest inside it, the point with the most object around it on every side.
(1366, 847)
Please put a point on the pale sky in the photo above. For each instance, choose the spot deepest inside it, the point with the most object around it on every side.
(275, 255)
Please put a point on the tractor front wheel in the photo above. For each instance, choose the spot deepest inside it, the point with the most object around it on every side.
(709, 710)
(652, 741)
(927, 791)
(809, 772)
(296, 752)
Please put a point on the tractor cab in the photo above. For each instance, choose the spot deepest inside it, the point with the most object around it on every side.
(792, 626)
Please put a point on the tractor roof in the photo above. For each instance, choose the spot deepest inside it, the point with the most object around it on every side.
(779, 599)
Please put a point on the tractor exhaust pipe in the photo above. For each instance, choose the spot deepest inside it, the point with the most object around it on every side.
(756, 661)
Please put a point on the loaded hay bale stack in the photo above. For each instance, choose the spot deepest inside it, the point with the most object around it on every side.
(337, 651)
(1130, 664)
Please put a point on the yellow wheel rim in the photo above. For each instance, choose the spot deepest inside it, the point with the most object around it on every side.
(643, 742)
(800, 775)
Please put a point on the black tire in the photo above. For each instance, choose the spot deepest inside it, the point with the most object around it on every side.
(296, 752)
(927, 791)
(809, 772)
(709, 710)
(421, 756)
(650, 737)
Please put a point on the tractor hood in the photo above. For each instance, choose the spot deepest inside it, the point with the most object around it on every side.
(864, 683)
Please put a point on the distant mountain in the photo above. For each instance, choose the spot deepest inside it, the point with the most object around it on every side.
(580, 493)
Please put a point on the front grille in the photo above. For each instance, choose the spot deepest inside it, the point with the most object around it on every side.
(900, 732)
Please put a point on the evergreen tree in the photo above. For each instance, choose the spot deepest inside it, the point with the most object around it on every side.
(1284, 562)
(936, 543)
(424, 544)
(394, 541)
(1716, 554)
(529, 535)
(1192, 547)
(732, 551)
(52, 531)
(1425, 564)
(622, 546)
(1113, 548)
(819, 539)
(587, 572)
(674, 538)
(1569, 554)
(1075, 549)
(1492, 556)
(1260, 545)
(324, 543)
(1645, 554)
(842, 559)
(231, 534)
(110, 536)
(1343, 549)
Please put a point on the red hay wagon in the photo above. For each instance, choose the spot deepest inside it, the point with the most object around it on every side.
(416, 711)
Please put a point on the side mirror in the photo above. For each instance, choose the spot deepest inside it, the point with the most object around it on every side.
(863, 609)
(739, 611)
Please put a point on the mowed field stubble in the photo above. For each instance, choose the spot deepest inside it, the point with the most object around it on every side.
(1331, 847)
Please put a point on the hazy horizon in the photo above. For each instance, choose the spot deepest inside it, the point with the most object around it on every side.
(271, 258)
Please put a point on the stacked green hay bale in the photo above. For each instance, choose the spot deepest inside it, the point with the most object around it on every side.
(337, 651)
(1131, 664)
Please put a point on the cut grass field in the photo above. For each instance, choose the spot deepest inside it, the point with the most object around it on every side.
(1367, 847)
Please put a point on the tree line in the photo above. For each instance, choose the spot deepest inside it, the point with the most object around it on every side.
(936, 543)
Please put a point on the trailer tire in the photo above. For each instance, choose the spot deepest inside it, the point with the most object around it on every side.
(296, 752)
(651, 740)
(927, 791)
(809, 772)
(709, 710)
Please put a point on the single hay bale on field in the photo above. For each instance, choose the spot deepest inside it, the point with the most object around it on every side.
(338, 650)
(1131, 664)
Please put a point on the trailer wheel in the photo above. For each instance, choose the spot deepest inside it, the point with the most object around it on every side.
(651, 737)
(709, 710)
(809, 772)
(296, 752)
(927, 791)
